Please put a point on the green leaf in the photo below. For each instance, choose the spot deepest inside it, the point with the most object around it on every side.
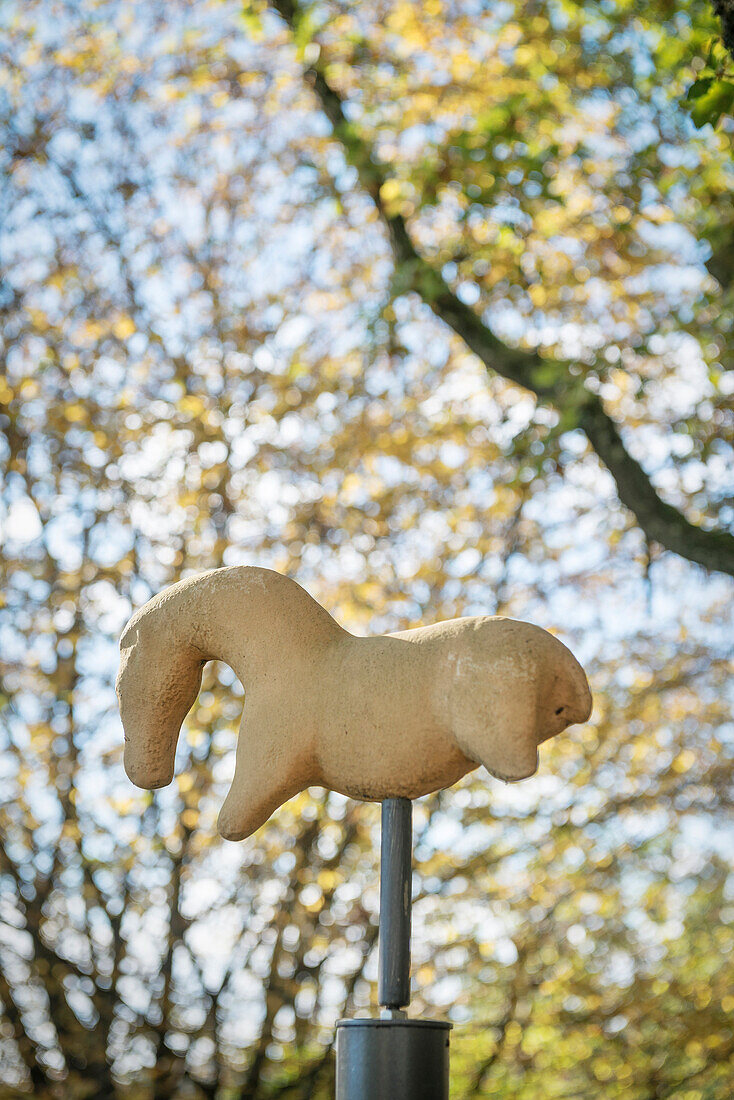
(699, 87)
(713, 103)
(718, 54)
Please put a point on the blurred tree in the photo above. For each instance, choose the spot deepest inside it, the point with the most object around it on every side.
(232, 333)
(485, 127)
(725, 11)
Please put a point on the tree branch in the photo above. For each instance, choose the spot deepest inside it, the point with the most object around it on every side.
(725, 11)
(553, 382)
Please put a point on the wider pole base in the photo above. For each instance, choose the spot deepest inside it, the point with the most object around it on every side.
(397, 1059)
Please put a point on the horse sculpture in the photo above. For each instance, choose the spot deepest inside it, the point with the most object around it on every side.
(373, 718)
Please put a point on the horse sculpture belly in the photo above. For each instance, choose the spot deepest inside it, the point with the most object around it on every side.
(373, 718)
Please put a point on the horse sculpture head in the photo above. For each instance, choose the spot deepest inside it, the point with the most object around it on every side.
(502, 687)
(156, 687)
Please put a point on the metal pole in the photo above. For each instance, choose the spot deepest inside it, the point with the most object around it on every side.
(396, 854)
(393, 1057)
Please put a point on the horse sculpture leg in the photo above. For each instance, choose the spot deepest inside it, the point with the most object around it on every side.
(267, 773)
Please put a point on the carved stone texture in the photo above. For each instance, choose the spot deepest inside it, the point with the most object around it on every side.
(373, 718)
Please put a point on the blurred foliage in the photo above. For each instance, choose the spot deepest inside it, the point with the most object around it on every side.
(557, 349)
(712, 91)
(207, 360)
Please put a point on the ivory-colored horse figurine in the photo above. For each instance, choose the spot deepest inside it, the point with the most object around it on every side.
(372, 718)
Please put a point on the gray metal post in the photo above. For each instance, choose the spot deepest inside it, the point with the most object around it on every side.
(393, 1058)
(396, 857)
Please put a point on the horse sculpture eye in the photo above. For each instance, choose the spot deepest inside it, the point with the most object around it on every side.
(560, 710)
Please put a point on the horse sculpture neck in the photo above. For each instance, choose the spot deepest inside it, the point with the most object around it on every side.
(245, 616)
